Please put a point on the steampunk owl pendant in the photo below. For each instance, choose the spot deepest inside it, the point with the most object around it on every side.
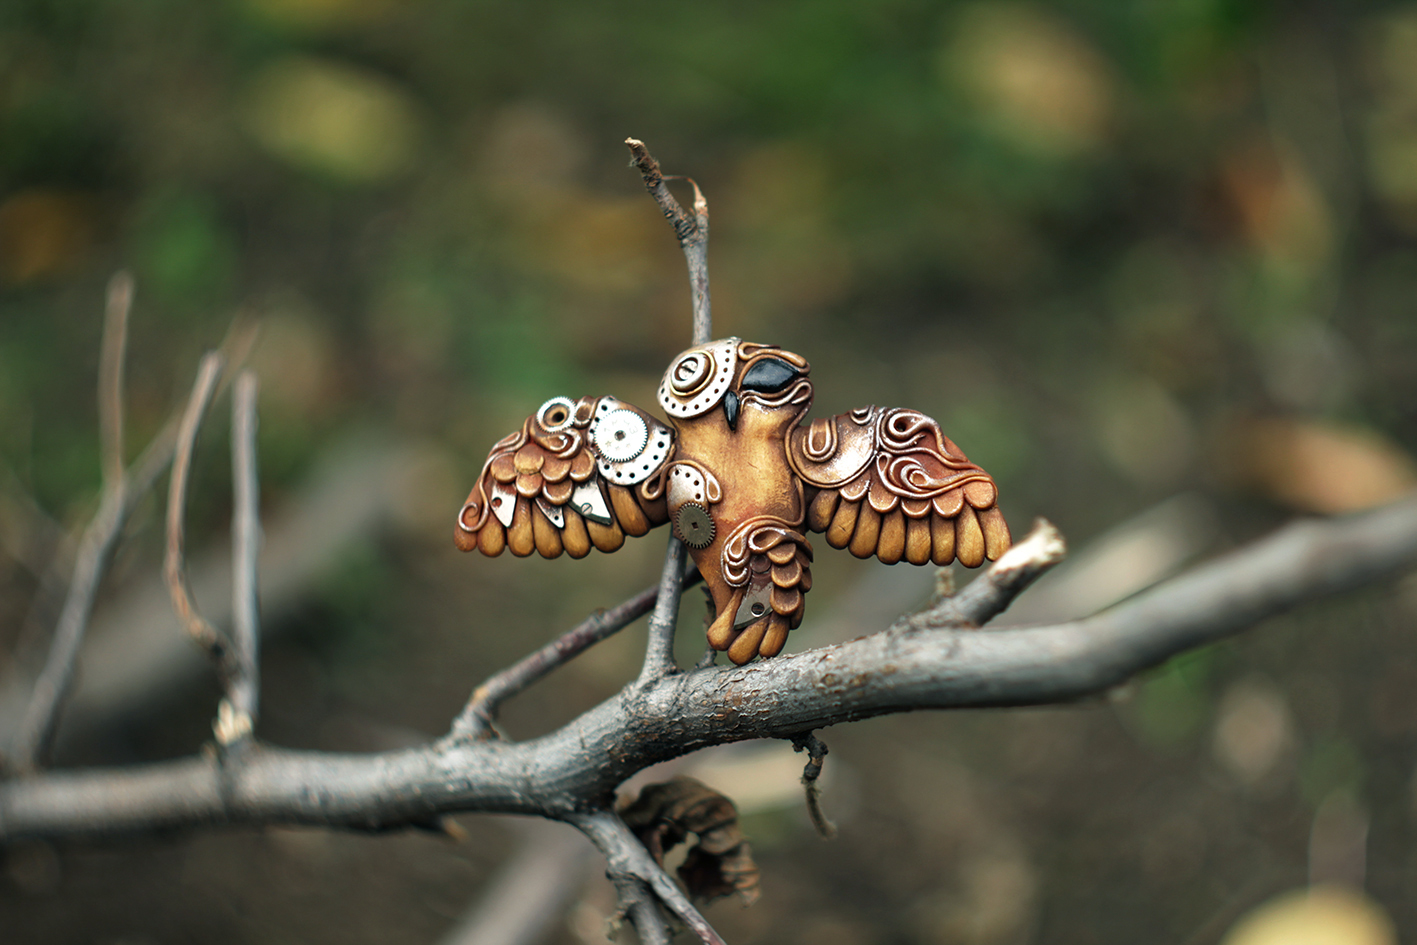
(741, 481)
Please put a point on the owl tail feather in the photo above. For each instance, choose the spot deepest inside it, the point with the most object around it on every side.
(720, 632)
(749, 639)
(766, 634)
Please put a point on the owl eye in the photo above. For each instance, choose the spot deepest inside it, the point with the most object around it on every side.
(769, 376)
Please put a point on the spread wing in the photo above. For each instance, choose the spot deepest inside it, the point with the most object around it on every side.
(577, 475)
(888, 482)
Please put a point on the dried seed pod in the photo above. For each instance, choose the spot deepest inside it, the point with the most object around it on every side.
(721, 862)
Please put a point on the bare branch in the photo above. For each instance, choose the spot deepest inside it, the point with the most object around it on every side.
(31, 740)
(639, 903)
(576, 768)
(692, 232)
(659, 652)
(110, 377)
(626, 857)
(477, 717)
(137, 651)
(236, 716)
(31, 743)
(991, 593)
(174, 563)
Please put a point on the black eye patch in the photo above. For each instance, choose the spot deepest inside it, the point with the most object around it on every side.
(769, 376)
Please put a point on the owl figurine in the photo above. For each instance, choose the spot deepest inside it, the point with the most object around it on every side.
(741, 480)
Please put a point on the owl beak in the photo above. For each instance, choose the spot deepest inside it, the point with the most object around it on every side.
(730, 409)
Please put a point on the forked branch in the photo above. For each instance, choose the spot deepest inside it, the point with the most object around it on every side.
(692, 232)
(989, 594)
(577, 768)
(28, 745)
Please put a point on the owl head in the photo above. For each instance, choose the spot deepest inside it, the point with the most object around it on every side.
(735, 375)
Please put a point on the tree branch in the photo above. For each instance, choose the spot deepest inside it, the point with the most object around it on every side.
(31, 742)
(693, 240)
(988, 595)
(644, 912)
(481, 711)
(659, 650)
(627, 860)
(576, 768)
(110, 378)
(692, 232)
(816, 751)
(237, 713)
(174, 563)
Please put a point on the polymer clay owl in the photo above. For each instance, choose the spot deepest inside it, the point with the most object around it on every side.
(741, 480)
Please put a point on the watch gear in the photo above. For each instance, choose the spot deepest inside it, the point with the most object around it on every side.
(620, 435)
(693, 525)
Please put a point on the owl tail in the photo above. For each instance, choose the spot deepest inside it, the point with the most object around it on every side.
(758, 616)
(747, 641)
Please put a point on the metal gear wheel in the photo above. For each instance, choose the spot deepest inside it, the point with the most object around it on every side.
(620, 435)
(693, 525)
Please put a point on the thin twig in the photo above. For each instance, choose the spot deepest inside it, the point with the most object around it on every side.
(708, 659)
(174, 563)
(816, 750)
(659, 650)
(30, 743)
(110, 377)
(989, 594)
(237, 713)
(480, 713)
(642, 907)
(692, 231)
(626, 856)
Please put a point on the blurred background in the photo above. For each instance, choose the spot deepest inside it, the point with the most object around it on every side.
(1151, 264)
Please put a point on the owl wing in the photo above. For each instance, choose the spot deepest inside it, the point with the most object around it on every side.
(578, 474)
(888, 482)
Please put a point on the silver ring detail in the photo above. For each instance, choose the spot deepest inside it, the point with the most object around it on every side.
(567, 403)
(699, 378)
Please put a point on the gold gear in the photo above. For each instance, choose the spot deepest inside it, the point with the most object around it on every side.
(693, 525)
